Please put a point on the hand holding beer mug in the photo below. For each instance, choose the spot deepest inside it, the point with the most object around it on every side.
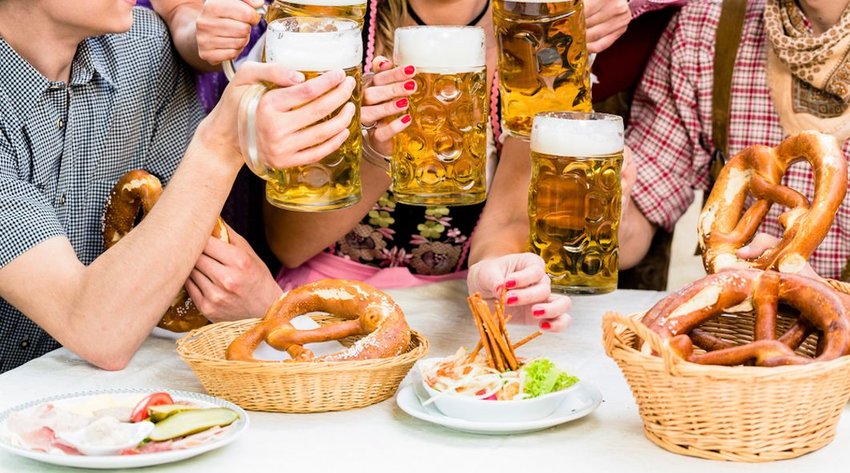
(385, 101)
(312, 46)
(543, 60)
(575, 198)
(224, 26)
(440, 158)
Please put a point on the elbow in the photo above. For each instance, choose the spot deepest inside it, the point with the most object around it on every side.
(108, 359)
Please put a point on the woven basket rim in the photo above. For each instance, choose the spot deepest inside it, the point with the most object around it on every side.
(420, 348)
(687, 368)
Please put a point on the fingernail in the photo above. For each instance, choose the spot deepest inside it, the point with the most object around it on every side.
(510, 284)
(401, 103)
(297, 76)
(545, 325)
(512, 300)
(382, 64)
(409, 70)
(405, 119)
(409, 85)
(539, 312)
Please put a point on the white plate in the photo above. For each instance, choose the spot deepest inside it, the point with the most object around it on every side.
(583, 400)
(128, 461)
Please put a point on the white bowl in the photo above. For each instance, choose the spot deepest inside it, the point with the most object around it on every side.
(479, 410)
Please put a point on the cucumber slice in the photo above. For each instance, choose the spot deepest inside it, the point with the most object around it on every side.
(161, 412)
(192, 421)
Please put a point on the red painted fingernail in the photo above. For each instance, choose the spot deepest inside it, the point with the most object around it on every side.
(499, 289)
(409, 85)
(405, 119)
(512, 300)
(539, 312)
(401, 103)
(409, 70)
(510, 284)
(545, 325)
(382, 64)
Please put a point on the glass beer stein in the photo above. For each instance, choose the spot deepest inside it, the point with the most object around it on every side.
(312, 46)
(440, 158)
(574, 198)
(543, 60)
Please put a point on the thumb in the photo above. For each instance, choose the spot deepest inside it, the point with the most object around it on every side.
(256, 72)
(761, 243)
(255, 3)
(487, 276)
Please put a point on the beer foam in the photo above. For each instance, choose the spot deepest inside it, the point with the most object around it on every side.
(440, 49)
(317, 51)
(329, 3)
(556, 135)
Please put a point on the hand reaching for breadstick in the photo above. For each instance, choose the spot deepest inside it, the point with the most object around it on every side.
(528, 292)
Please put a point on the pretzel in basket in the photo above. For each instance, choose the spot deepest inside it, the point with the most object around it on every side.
(724, 226)
(676, 319)
(367, 311)
(132, 197)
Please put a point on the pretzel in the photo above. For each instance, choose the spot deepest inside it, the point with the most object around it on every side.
(677, 318)
(367, 312)
(132, 197)
(724, 226)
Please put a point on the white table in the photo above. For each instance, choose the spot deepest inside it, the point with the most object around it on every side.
(382, 438)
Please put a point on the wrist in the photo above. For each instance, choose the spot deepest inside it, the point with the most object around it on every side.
(215, 145)
(373, 156)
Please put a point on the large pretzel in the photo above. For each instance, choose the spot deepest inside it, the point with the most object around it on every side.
(677, 318)
(368, 312)
(724, 226)
(132, 197)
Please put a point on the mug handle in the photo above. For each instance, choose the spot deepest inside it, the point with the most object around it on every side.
(228, 65)
(247, 128)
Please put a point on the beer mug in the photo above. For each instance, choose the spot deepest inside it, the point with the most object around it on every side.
(354, 10)
(574, 198)
(440, 158)
(312, 46)
(543, 61)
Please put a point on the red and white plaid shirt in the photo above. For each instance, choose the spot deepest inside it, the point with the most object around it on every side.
(670, 126)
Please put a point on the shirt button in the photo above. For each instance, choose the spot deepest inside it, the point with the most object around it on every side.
(60, 199)
(25, 343)
(60, 123)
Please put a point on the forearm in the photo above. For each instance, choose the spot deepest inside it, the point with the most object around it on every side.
(503, 226)
(635, 235)
(181, 17)
(124, 292)
(295, 237)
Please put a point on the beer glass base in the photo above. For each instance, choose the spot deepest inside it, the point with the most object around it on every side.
(448, 200)
(585, 290)
(315, 207)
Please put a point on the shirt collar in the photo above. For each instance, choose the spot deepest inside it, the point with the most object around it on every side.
(23, 84)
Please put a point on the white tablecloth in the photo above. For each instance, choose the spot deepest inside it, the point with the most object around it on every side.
(382, 438)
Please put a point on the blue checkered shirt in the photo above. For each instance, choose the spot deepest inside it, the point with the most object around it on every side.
(130, 104)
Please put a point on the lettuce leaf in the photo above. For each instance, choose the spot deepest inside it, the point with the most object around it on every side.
(543, 377)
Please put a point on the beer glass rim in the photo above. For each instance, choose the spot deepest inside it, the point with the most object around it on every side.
(577, 134)
(350, 25)
(325, 3)
(580, 116)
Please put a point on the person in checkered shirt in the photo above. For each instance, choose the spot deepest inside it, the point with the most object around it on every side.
(670, 126)
(86, 94)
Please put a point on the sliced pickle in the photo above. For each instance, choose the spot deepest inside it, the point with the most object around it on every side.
(161, 412)
(192, 421)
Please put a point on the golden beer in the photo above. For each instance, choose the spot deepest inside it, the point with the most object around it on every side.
(440, 159)
(543, 61)
(574, 199)
(334, 182)
(354, 10)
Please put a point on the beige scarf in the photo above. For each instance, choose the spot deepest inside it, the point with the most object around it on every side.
(808, 75)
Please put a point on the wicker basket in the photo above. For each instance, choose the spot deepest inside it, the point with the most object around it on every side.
(293, 387)
(740, 413)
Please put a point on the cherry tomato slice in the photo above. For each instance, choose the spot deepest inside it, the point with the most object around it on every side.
(140, 412)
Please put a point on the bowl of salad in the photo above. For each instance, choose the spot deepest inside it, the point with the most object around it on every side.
(469, 389)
